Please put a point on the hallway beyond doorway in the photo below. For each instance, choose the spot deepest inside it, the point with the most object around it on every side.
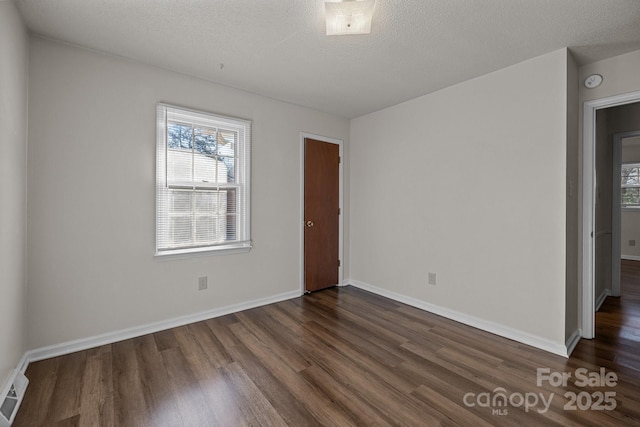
(617, 342)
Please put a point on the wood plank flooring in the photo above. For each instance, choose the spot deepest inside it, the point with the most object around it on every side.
(338, 357)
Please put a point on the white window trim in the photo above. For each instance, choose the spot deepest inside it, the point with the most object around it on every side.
(243, 181)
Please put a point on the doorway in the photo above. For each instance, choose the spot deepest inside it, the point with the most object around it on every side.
(626, 202)
(321, 212)
(592, 230)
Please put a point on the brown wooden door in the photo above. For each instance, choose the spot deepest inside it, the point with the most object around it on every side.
(321, 214)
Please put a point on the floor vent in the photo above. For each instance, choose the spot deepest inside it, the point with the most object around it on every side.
(11, 398)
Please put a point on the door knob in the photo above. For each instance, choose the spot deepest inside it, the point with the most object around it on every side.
(310, 224)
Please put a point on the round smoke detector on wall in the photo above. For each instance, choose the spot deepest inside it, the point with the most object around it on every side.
(593, 81)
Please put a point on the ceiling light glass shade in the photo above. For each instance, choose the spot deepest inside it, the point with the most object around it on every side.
(349, 17)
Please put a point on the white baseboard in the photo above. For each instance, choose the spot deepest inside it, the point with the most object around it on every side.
(23, 364)
(136, 331)
(630, 257)
(573, 341)
(485, 325)
(603, 296)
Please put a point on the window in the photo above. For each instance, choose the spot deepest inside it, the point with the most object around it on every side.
(202, 182)
(630, 190)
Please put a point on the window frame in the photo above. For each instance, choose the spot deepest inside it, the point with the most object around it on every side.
(623, 186)
(166, 113)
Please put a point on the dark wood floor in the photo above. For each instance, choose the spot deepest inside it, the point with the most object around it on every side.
(337, 357)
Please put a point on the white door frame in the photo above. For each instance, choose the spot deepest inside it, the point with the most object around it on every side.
(616, 252)
(588, 202)
(303, 136)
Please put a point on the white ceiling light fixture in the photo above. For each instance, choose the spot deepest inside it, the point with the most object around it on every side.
(349, 17)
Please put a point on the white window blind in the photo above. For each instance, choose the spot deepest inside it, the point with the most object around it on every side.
(202, 182)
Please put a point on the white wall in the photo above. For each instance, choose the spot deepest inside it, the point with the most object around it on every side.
(469, 183)
(572, 316)
(13, 149)
(620, 75)
(630, 230)
(91, 213)
(631, 149)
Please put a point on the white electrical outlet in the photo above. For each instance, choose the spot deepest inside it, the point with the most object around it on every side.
(632, 242)
(202, 283)
(432, 278)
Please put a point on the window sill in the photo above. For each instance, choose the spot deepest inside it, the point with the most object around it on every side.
(199, 252)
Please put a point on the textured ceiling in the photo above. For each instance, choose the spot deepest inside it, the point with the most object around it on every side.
(277, 48)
